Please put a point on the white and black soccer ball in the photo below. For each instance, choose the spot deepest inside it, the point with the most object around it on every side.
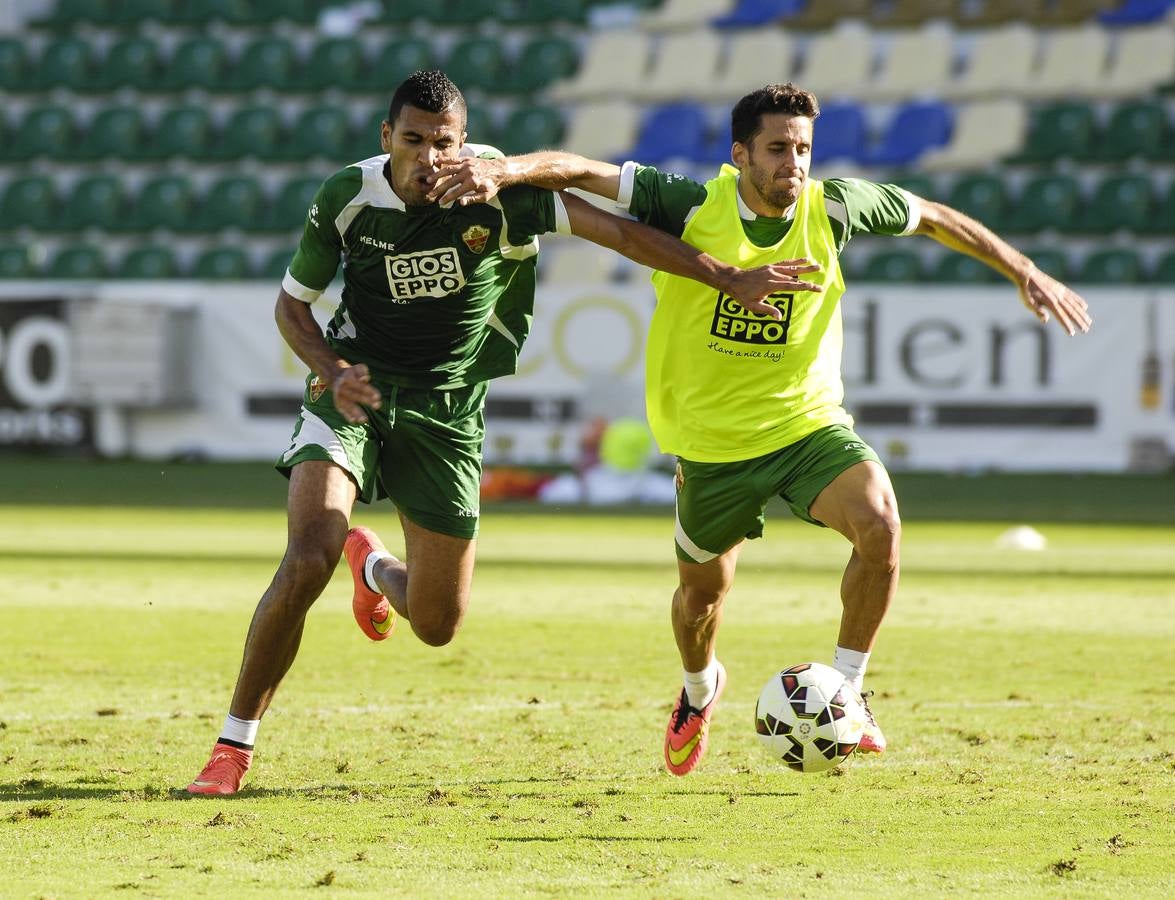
(810, 717)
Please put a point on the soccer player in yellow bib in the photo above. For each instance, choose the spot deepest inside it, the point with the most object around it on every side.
(751, 404)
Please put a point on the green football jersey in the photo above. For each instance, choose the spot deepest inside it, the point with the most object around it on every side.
(432, 298)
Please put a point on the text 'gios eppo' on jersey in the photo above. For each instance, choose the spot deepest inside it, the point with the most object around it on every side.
(432, 297)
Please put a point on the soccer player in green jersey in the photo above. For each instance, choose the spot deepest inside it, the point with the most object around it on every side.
(437, 300)
(751, 403)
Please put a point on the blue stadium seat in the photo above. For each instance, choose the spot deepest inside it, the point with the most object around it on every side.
(749, 13)
(1137, 12)
(672, 131)
(914, 129)
(839, 133)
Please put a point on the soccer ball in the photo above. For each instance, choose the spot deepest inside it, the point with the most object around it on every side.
(810, 717)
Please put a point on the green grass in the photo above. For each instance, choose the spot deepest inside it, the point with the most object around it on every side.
(1029, 699)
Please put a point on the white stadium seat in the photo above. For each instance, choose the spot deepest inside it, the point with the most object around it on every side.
(839, 61)
(1073, 62)
(999, 63)
(685, 62)
(575, 261)
(685, 14)
(916, 63)
(1143, 59)
(754, 57)
(613, 63)
(602, 130)
(985, 132)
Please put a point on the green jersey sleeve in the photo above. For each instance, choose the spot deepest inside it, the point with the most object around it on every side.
(528, 211)
(857, 206)
(317, 258)
(665, 200)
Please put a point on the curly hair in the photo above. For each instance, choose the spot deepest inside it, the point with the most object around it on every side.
(431, 91)
(746, 117)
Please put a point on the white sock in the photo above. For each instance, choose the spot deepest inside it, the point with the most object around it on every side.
(700, 686)
(369, 568)
(240, 731)
(851, 664)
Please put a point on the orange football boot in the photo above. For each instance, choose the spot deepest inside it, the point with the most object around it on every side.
(372, 611)
(872, 740)
(688, 734)
(224, 771)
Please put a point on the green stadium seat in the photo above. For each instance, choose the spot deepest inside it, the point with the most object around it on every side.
(83, 261)
(166, 201)
(893, 266)
(200, 62)
(364, 141)
(236, 201)
(476, 64)
(335, 62)
(1050, 261)
(45, 131)
(132, 13)
(396, 61)
(920, 185)
(132, 62)
(183, 131)
(275, 265)
(195, 13)
(399, 12)
(1110, 266)
(532, 128)
(66, 62)
(543, 61)
(469, 12)
(479, 126)
(288, 212)
(266, 62)
(1120, 201)
(14, 64)
(957, 268)
(1060, 129)
(30, 201)
(543, 12)
(324, 132)
(117, 132)
(149, 262)
(222, 264)
(1163, 220)
(66, 14)
(255, 131)
(96, 201)
(1047, 201)
(1133, 129)
(16, 262)
(1165, 270)
(983, 197)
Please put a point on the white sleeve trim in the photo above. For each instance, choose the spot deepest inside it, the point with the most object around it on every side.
(562, 220)
(915, 212)
(297, 290)
(627, 183)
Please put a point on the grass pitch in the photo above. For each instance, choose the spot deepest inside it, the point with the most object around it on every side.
(1029, 699)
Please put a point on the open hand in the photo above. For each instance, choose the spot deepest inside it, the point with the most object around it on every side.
(751, 288)
(1043, 294)
(352, 390)
(467, 180)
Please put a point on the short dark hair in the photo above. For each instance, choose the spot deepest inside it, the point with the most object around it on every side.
(431, 91)
(746, 118)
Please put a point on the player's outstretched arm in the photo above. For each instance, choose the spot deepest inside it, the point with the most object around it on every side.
(1041, 293)
(350, 385)
(473, 180)
(659, 250)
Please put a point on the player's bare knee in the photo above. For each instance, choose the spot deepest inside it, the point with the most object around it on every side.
(307, 571)
(878, 539)
(436, 633)
(700, 603)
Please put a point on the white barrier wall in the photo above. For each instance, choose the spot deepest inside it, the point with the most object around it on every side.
(939, 378)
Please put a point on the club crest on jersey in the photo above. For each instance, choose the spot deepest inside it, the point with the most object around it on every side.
(475, 237)
(317, 389)
(678, 478)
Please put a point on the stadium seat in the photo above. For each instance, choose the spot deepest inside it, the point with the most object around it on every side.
(14, 64)
(200, 62)
(909, 13)
(754, 56)
(579, 262)
(818, 15)
(676, 131)
(920, 185)
(476, 64)
(983, 197)
(66, 14)
(95, 201)
(893, 266)
(117, 132)
(265, 62)
(470, 12)
(1047, 201)
(542, 12)
(1163, 220)
(45, 131)
(1133, 129)
(255, 131)
(235, 201)
(1110, 266)
(1165, 269)
(1050, 261)
(1134, 12)
(997, 12)
(82, 261)
(999, 63)
(152, 261)
(167, 201)
(838, 61)
(132, 62)
(335, 62)
(480, 127)
(30, 201)
(275, 265)
(1119, 201)
(1060, 129)
(1143, 59)
(530, 128)
(916, 62)
(684, 15)
(612, 62)
(183, 131)
(364, 141)
(133, 13)
(840, 133)
(985, 130)
(749, 13)
(914, 129)
(66, 62)
(396, 61)
(400, 12)
(542, 61)
(683, 63)
(16, 262)
(222, 264)
(288, 210)
(957, 268)
(602, 130)
(1072, 63)
(323, 132)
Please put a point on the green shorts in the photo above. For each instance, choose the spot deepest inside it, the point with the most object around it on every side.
(719, 504)
(422, 450)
